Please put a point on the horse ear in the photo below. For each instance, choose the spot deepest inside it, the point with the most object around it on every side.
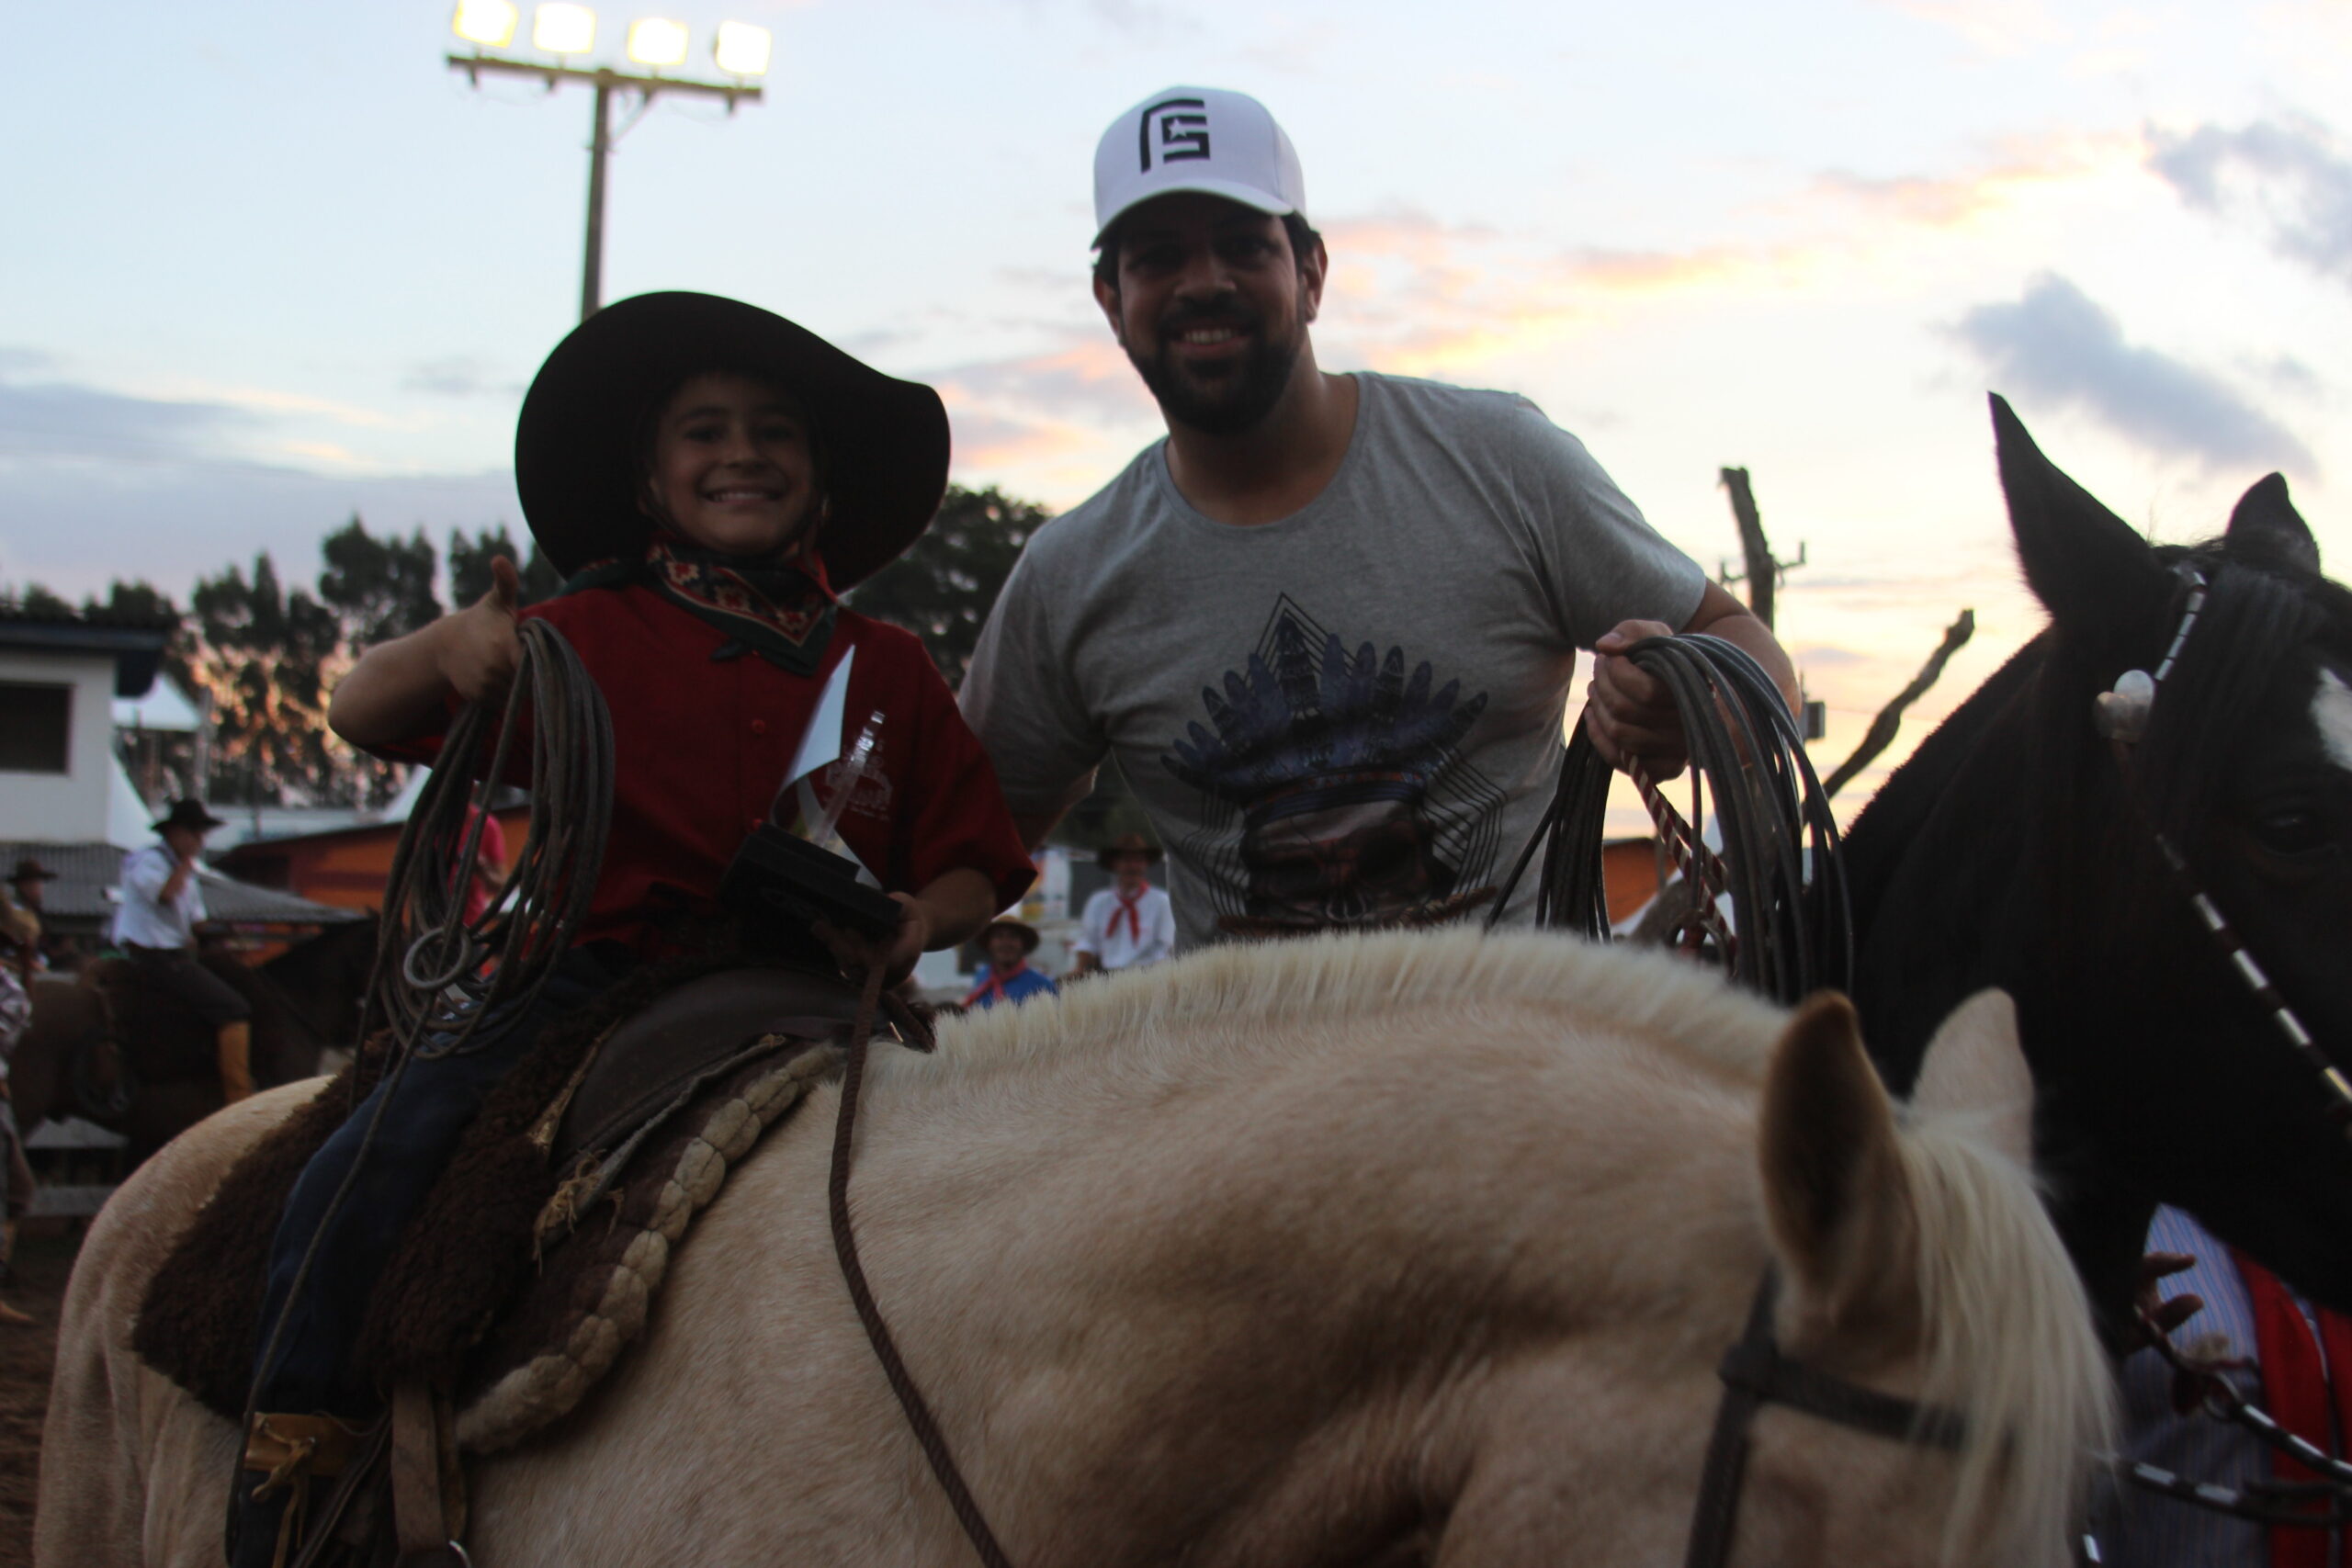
(2266, 527)
(2082, 560)
(1833, 1188)
(1975, 1069)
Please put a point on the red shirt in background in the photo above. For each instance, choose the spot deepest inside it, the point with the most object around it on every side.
(700, 750)
(489, 864)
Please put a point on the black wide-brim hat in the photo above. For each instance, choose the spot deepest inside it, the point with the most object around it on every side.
(186, 814)
(881, 443)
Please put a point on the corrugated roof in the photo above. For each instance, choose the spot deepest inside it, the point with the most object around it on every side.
(86, 872)
(12, 610)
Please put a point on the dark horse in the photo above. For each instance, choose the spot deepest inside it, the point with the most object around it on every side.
(305, 1000)
(2016, 848)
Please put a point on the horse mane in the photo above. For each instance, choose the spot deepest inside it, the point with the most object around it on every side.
(1910, 795)
(1330, 980)
(2010, 1340)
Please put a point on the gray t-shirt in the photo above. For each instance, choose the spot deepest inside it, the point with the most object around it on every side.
(1349, 713)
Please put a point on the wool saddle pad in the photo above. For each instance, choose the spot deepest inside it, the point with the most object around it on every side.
(534, 1259)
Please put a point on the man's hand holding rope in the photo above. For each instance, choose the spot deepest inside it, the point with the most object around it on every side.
(1632, 715)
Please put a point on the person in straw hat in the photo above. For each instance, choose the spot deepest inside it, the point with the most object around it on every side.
(710, 477)
(1008, 977)
(1130, 924)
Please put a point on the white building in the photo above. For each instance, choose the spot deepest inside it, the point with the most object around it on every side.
(60, 675)
(64, 799)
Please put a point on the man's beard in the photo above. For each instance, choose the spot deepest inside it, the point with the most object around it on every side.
(1231, 402)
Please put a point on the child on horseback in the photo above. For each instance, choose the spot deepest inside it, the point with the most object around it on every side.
(711, 476)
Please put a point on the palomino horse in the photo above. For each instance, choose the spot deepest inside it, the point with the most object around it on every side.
(1392, 1250)
(2019, 847)
(305, 1000)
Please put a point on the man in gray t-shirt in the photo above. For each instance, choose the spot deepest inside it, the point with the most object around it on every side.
(1328, 626)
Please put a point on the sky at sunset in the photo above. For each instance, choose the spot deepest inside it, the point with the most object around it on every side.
(271, 263)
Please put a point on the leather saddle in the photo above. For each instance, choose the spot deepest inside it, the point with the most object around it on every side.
(663, 1057)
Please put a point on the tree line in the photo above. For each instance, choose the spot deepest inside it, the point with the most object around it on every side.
(266, 653)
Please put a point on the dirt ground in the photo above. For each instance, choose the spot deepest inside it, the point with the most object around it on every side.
(25, 1354)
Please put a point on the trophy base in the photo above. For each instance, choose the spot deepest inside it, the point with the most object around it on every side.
(778, 879)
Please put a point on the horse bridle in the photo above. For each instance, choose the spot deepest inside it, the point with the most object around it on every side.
(2122, 716)
(1755, 1374)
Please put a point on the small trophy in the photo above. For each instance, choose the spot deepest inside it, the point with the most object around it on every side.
(781, 879)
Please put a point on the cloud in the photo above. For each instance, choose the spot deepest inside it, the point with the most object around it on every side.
(1825, 655)
(1996, 26)
(1416, 295)
(2017, 167)
(459, 376)
(2059, 344)
(96, 483)
(1086, 380)
(59, 420)
(2290, 175)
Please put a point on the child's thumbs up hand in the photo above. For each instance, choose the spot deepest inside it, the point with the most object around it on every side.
(482, 651)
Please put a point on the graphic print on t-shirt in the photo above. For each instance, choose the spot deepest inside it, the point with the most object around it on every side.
(1346, 773)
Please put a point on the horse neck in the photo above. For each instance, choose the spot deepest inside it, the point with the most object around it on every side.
(1296, 1274)
(1943, 863)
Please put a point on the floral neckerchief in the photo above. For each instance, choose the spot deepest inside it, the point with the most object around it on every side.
(782, 610)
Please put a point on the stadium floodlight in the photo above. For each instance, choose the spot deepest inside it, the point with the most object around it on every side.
(659, 44)
(658, 41)
(558, 29)
(485, 24)
(741, 50)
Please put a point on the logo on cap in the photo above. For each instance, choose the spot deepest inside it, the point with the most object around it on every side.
(1181, 135)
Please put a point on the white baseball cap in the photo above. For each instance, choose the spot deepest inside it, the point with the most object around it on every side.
(1201, 139)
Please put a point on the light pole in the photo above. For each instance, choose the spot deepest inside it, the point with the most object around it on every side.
(740, 49)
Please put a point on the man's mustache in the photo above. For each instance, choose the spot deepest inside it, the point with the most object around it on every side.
(1181, 318)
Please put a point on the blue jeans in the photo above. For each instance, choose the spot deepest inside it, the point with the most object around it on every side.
(430, 1109)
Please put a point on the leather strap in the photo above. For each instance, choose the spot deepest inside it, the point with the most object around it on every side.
(424, 1525)
(285, 1445)
(1717, 1509)
(925, 1426)
(1754, 1374)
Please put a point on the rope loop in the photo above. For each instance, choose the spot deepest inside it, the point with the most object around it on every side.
(1791, 930)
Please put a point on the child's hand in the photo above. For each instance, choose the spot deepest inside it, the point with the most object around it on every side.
(912, 940)
(481, 649)
(856, 952)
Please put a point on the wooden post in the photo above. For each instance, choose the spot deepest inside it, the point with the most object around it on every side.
(1763, 571)
(1890, 717)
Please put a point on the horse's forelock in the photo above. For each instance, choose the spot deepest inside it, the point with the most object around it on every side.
(2255, 617)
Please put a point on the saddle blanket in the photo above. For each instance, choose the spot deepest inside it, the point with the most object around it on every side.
(534, 1259)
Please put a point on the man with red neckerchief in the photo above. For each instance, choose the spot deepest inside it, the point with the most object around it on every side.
(1130, 924)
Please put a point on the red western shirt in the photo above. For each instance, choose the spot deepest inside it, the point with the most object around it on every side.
(700, 750)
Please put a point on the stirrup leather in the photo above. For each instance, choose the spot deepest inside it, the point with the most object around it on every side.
(289, 1452)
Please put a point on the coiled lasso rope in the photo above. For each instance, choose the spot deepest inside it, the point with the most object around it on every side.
(1791, 930)
(438, 976)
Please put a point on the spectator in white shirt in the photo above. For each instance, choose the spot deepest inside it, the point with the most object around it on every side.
(1130, 924)
(156, 925)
